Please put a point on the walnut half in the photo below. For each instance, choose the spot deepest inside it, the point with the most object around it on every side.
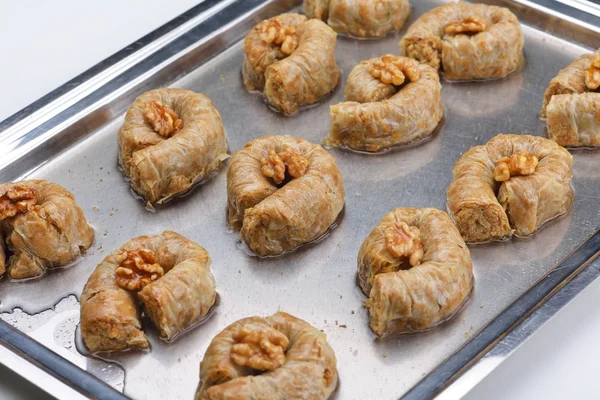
(592, 75)
(467, 26)
(277, 164)
(273, 31)
(16, 200)
(517, 164)
(163, 119)
(137, 269)
(262, 349)
(393, 70)
(405, 241)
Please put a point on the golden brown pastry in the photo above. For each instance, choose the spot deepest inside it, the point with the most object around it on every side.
(42, 227)
(282, 192)
(171, 139)
(467, 41)
(168, 274)
(574, 78)
(291, 60)
(273, 358)
(362, 18)
(513, 184)
(416, 270)
(572, 104)
(390, 101)
(574, 119)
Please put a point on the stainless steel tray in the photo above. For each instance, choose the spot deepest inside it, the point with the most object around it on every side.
(70, 138)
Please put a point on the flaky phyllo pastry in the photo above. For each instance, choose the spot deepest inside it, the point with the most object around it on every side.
(171, 139)
(390, 101)
(41, 227)
(361, 18)
(291, 60)
(511, 185)
(466, 41)
(416, 270)
(282, 192)
(168, 275)
(572, 103)
(273, 358)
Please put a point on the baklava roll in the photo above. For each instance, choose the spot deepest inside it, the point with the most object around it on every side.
(168, 274)
(416, 269)
(467, 41)
(272, 358)
(171, 140)
(42, 226)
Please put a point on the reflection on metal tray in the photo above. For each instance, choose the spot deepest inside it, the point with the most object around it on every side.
(71, 139)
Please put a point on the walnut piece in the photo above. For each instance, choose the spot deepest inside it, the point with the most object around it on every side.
(261, 349)
(277, 164)
(137, 269)
(393, 70)
(405, 241)
(592, 75)
(467, 26)
(273, 31)
(517, 164)
(17, 199)
(163, 119)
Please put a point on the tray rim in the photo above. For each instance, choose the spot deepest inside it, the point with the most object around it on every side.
(564, 274)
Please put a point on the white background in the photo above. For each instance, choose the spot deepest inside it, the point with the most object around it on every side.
(43, 44)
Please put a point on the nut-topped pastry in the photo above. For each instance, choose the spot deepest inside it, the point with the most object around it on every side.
(466, 41)
(390, 101)
(572, 103)
(291, 60)
(171, 140)
(277, 357)
(416, 270)
(282, 192)
(511, 185)
(168, 274)
(358, 17)
(41, 227)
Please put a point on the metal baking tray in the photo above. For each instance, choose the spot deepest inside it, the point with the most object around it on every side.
(69, 137)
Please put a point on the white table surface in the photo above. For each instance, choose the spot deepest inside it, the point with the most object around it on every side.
(46, 43)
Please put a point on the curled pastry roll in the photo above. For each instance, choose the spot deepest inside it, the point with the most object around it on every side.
(171, 139)
(42, 227)
(291, 60)
(416, 270)
(389, 101)
(572, 104)
(574, 119)
(513, 184)
(572, 79)
(168, 274)
(277, 357)
(282, 192)
(362, 18)
(468, 41)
